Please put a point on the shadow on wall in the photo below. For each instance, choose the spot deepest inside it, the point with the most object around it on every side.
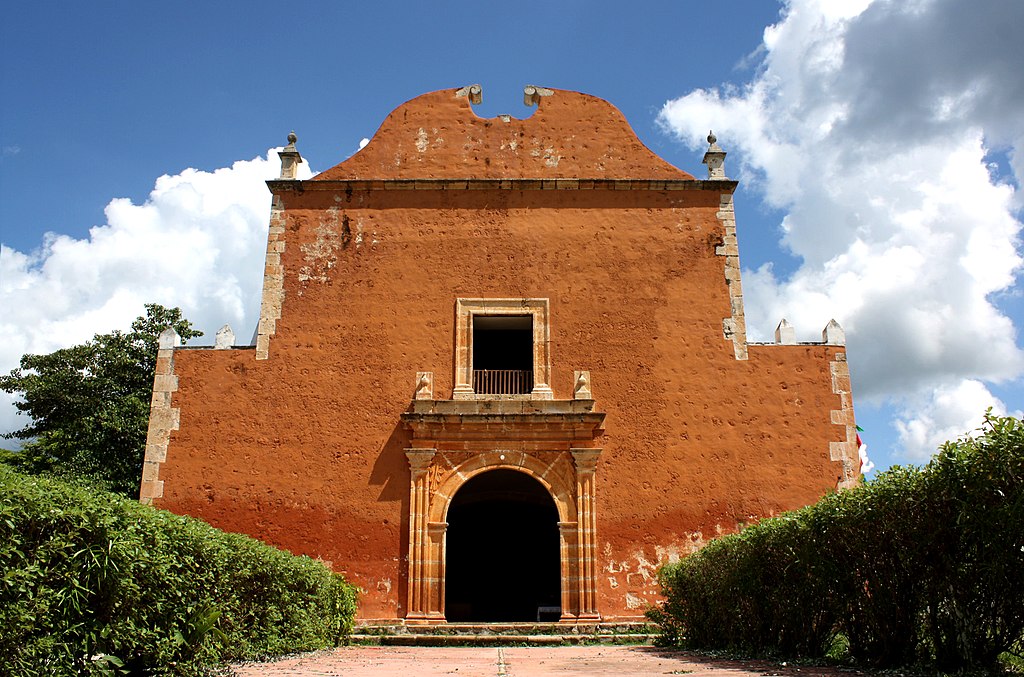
(391, 473)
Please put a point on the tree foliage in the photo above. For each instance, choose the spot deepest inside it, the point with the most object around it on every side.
(89, 404)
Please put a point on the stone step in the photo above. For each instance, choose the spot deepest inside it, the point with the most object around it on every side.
(499, 634)
(499, 640)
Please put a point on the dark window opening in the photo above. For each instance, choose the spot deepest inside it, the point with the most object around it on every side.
(502, 552)
(502, 354)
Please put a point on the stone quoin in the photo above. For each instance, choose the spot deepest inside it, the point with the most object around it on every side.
(501, 372)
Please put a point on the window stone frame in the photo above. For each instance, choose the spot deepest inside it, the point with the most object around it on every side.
(466, 309)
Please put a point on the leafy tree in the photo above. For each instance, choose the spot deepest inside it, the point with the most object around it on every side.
(89, 403)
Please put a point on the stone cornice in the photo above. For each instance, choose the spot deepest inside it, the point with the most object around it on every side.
(278, 186)
(466, 420)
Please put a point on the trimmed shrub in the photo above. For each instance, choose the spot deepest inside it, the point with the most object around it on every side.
(871, 550)
(91, 582)
(755, 591)
(915, 566)
(975, 595)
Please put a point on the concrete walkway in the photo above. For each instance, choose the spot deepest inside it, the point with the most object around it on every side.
(622, 661)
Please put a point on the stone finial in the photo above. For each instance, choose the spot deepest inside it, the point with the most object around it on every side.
(424, 385)
(581, 389)
(714, 158)
(785, 333)
(833, 334)
(474, 92)
(225, 338)
(532, 94)
(290, 158)
(168, 339)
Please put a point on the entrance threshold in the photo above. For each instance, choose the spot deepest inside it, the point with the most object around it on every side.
(503, 634)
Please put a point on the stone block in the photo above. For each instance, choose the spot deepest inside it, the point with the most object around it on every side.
(833, 334)
(424, 385)
(168, 339)
(581, 389)
(165, 382)
(225, 338)
(156, 453)
(785, 333)
(150, 490)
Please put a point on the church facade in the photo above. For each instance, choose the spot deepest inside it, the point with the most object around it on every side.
(501, 372)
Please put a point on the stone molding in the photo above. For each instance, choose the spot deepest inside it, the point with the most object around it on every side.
(163, 418)
(734, 327)
(273, 281)
(278, 186)
(472, 423)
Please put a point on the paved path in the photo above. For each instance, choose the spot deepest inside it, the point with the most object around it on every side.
(623, 661)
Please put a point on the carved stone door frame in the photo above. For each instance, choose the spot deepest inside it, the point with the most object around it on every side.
(433, 483)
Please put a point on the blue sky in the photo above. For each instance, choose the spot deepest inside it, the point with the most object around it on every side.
(876, 145)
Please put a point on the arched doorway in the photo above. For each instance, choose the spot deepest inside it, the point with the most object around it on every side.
(502, 550)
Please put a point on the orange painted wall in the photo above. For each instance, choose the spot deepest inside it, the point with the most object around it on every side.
(305, 449)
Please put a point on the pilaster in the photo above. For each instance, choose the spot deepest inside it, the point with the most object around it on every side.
(586, 533)
(420, 547)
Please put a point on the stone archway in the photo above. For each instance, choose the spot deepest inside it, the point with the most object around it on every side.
(502, 551)
(436, 478)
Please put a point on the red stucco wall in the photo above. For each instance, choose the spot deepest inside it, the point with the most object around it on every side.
(305, 449)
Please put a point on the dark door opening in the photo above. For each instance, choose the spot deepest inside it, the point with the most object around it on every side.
(502, 550)
(502, 354)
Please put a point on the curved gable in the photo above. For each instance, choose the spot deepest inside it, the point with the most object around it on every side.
(438, 136)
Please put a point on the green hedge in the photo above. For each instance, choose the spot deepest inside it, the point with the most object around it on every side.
(918, 566)
(90, 581)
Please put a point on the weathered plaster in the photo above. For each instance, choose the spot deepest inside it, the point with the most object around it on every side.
(305, 445)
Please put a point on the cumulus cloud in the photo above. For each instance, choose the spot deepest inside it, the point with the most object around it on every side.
(945, 413)
(198, 242)
(872, 125)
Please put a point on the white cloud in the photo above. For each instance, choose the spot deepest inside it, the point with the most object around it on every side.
(363, 142)
(198, 242)
(871, 124)
(944, 413)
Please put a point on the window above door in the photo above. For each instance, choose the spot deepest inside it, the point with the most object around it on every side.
(502, 349)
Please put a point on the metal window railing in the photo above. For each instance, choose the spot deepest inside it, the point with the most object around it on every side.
(502, 381)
